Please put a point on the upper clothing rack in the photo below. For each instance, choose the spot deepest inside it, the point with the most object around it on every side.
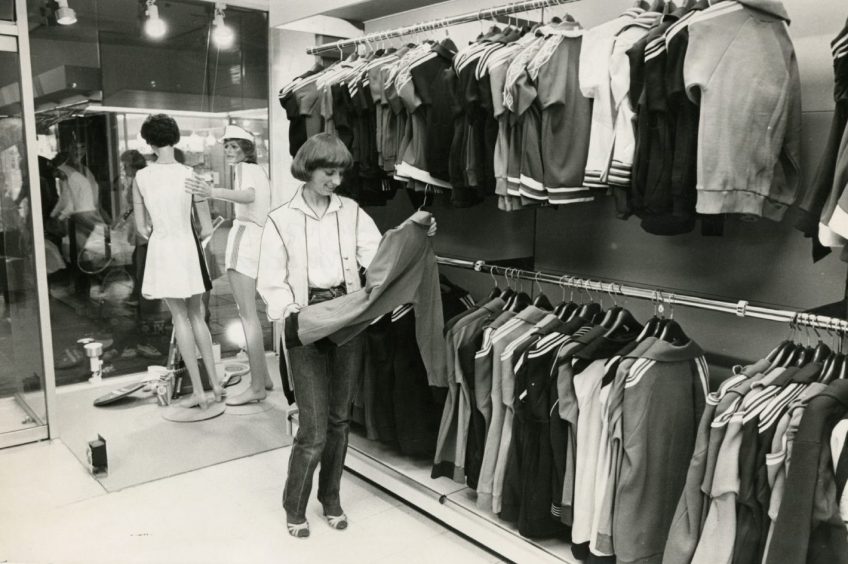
(741, 308)
(484, 14)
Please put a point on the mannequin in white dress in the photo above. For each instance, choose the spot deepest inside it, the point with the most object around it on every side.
(175, 268)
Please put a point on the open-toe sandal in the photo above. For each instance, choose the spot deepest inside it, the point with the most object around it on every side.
(299, 530)
(338, 522)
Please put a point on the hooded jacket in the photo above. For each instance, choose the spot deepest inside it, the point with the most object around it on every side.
(749, 137)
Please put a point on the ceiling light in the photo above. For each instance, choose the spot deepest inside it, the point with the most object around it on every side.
(222, 34)
(64, 14)
(154, 26)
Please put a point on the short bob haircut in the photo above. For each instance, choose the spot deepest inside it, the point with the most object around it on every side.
(248, 148)
(160, 130)
(320, 151)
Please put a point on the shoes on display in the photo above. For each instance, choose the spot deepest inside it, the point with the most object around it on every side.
(128, 353)
(246, 397)
(148, 351)
(111, 354)
(69, 358)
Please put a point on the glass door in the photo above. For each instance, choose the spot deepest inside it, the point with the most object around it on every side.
(23, 382)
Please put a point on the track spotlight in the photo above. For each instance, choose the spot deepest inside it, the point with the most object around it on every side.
(154, 26)
(222, 34)
(64, 14)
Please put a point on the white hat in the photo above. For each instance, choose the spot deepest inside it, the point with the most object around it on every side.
(236, 132)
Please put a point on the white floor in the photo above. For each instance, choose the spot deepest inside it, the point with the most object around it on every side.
(52, 510)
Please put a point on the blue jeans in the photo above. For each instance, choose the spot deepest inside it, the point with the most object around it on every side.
(325, 379)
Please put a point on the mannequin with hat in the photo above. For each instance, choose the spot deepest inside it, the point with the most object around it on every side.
(251, 196)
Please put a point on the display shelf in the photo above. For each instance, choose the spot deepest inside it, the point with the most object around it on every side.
(447, 501)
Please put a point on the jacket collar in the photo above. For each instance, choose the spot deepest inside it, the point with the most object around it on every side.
(298, 203)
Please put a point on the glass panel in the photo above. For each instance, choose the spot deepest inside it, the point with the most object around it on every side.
(22, 402)
(106, 60)
(7, 10)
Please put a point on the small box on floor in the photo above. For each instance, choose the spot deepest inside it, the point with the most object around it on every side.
(97, 459)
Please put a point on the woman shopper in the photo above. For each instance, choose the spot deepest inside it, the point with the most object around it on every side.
(175, 268)
(251, 196)
(311, 249)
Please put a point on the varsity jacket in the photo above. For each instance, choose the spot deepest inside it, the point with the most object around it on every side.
(777, 461)
(813, 531)
(483, 367)
(431, 84)
(533, 480)
(509, 358)
(594, 78)
(666, 398)
(453, 430)
(840, 464)
(815, 197)
(403, 271)
(566, 117)
(686, 523)
(690, 514)
(749, 138)
(624, 144)
(603, 531)
(501, 338)
(720, 523)
(833, 226)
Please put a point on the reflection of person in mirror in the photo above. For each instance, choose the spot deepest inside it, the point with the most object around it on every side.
(175, 268)
(301, 262)
(251, 195)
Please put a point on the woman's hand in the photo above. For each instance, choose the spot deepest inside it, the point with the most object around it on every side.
(290, 309)
(433, 227)
(198, 187)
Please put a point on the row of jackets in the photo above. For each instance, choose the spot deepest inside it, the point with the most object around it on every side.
(825, 204)
(571, 426)
(394, 402)
(643, 106)
(767, 478)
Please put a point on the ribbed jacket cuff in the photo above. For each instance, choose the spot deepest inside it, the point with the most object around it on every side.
(291, 328)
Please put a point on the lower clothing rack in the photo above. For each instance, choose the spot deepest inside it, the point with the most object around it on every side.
(741, 308)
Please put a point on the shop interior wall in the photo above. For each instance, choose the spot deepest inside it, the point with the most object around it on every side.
(764, 262)
(288, 60)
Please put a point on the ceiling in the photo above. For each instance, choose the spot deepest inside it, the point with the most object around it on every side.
(373, 9)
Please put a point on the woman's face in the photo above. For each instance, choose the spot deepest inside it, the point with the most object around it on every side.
(233, 152)
(324, 181)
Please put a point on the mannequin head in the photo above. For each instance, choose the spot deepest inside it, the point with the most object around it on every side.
(239, 150)
(160, 130)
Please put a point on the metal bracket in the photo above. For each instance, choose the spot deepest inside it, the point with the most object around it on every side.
(742, 308)
(479, 264)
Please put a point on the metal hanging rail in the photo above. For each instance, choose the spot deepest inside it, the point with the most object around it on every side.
(485, 14)
(741, 308)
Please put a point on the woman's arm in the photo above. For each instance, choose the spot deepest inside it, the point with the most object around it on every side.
(367, 238)
(141, 225)
(272, 279)
(241, 194)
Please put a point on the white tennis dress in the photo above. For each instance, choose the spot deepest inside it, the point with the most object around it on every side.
(246, 234)
(175, 267)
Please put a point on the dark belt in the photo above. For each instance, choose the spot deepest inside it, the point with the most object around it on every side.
(318, 295)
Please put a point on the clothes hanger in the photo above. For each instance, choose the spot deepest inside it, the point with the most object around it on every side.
(612, 313)
(570, 307)
(672, 332)
(624, 322)
(509, 294)
(496, 290)
(541, 300)
(651, 325)
(521, 301)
